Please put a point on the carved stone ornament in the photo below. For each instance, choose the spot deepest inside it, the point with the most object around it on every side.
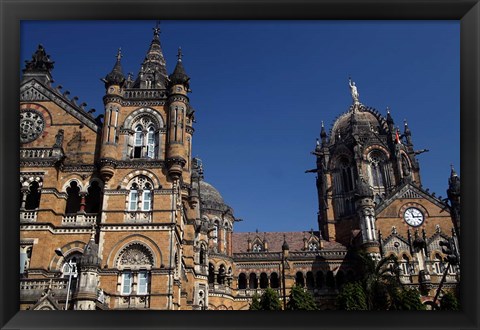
(32, 125)
(136, 254)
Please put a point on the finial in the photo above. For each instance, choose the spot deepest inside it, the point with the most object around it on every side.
(119, 54)
(156, 29)
(318, 142)
(322, 124)
(388, 109)
(179, 54)
(405, 122)
(256, 230)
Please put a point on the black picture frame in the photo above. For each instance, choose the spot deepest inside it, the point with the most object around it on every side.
(12, 12)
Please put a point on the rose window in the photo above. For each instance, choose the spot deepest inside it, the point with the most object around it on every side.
(31, 125)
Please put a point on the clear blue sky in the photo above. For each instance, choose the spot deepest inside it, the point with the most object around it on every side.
(262, 88)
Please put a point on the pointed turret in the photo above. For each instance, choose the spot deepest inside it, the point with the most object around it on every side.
(115, 77)
(407, 133)
(179, 77)
(323, 135)
(153, 72)
(39, 67)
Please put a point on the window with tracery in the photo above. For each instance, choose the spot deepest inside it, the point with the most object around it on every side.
(313, 246)
(135, 263)
(145, 139)
(140, 194)
(257, 247)
(378, 171)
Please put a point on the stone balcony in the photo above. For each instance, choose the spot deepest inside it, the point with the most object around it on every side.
(132, 302)
(28, 215)
(79, 219)
(251, 292)
(138, 216)
(219, 288)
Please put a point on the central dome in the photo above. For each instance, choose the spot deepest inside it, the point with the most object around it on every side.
(364, 118)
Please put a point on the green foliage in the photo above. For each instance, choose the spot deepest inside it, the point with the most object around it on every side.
(270, 301)
(407, 300)
(449, 302)
(255, 305)
(352, 297)
(380, 281)
(301, 300)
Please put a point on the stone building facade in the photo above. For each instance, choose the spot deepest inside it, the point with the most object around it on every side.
(116, 214)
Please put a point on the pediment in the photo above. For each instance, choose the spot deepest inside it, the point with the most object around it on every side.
(46, 302)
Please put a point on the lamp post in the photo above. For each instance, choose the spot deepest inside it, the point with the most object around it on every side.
(71, 272)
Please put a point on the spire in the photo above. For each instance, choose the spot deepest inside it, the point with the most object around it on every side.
(179, 76)
(153, 72)
(407, 133)
(323, 135)
(285, 246)
(389, 118)
(115, 77)
(39, 66)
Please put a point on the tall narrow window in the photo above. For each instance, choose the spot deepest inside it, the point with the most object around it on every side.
(73, 199)
(377, 174)
(142, 283)
(146, 200)
(33, 197)
(151, 143)
(133, 200)
(138, 143)
(126, 283)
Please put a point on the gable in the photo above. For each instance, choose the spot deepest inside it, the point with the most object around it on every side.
(33, 91)
(409, 191)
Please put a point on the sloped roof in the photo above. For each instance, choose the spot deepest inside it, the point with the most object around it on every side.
(294, 240)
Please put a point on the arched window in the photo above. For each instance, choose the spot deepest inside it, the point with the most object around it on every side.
(93, 200)
(69, 267)
(274, 281)
(202, 256)
(263, 281)
(242, 281)
(33, 196)
(140, 194)
(404, 265)
(437, 264)
(252, 282)
(319, 280)
(73, 199)
(299, 280)
(211, 274)
(135, 262)
(221, 275)
(378, 168)
(257, 247)
(144, 142)
(310, 281)
(330, 281)
(25, 257)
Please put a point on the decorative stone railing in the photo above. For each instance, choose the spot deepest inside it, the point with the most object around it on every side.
(258, 255)
(41, 153)
(34, 288)
(133, 301)
(138, 216)
(79, 219)
(28, 216)
(36, 153)
(251, 292)
(405, 279)
(144, 94)
(219, 288)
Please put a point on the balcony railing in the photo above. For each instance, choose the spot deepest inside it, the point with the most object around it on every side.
(251, 292)
(43, 284)
(138, 216)
(133, 301)
(79, 219)
(28, 216)
(36, 153)
(219, 288)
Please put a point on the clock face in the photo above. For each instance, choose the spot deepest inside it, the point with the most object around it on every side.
(413, 216)
(31, 125)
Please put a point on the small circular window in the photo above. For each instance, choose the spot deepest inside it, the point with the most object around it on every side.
(31, 125)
